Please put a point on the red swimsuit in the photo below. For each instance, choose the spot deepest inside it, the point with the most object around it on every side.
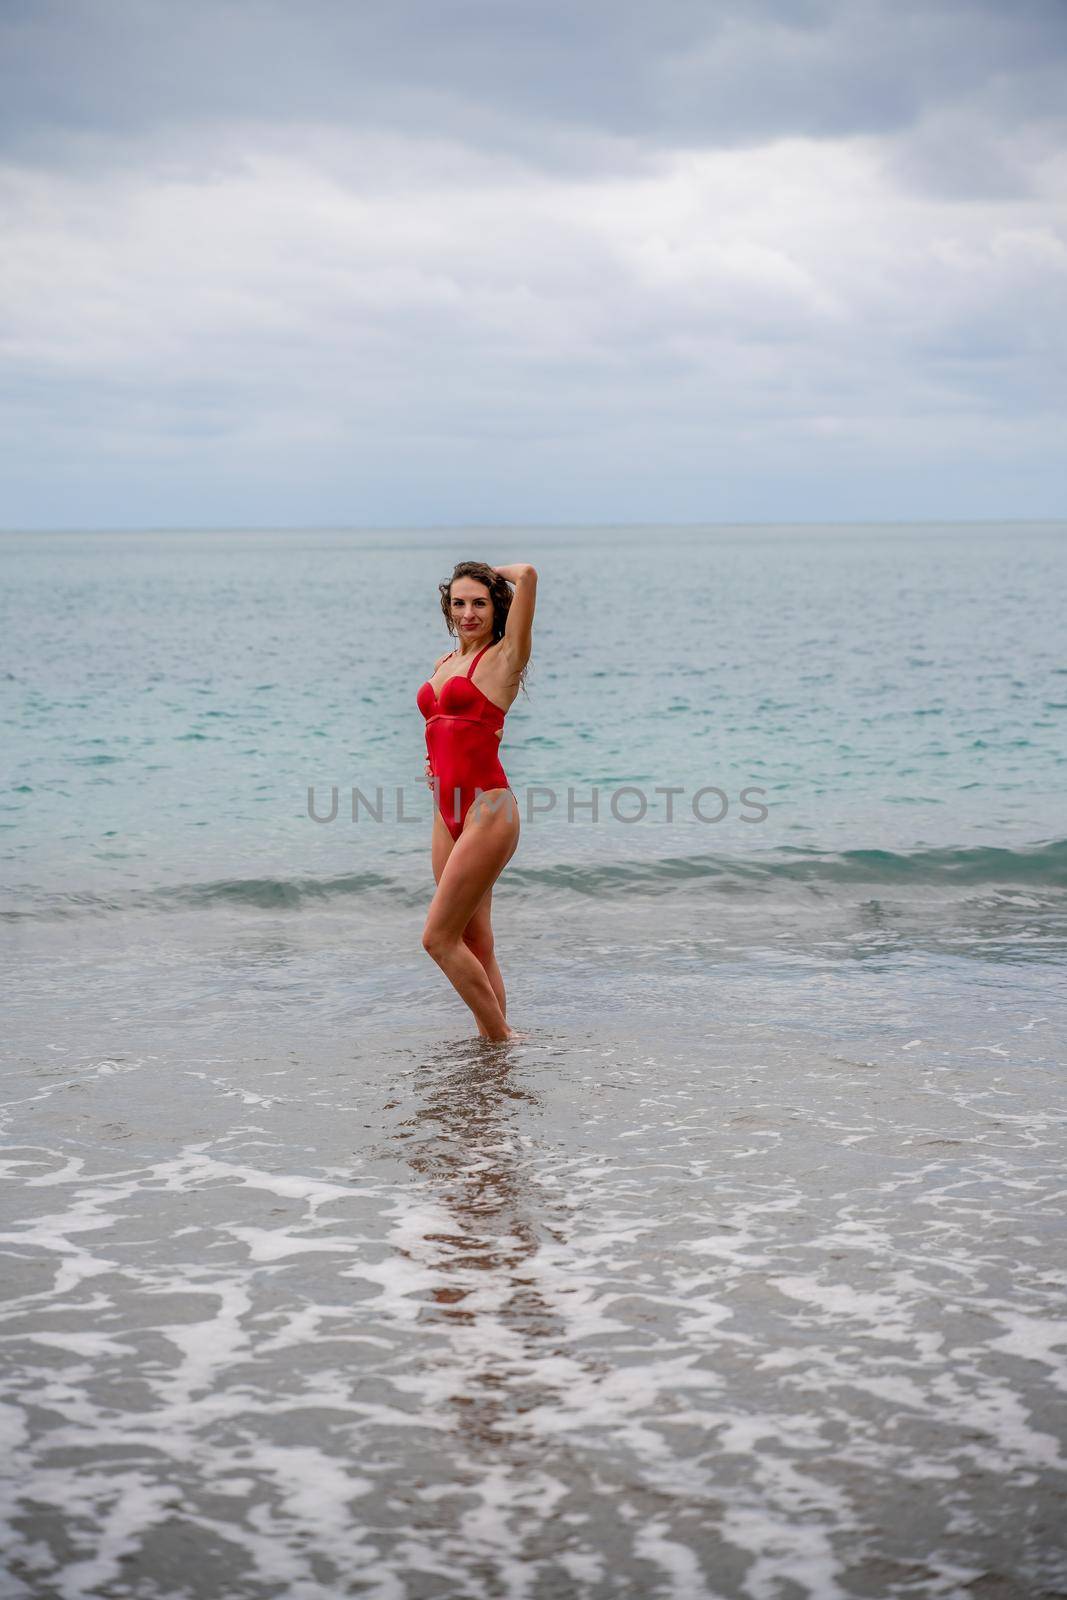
(462, 739)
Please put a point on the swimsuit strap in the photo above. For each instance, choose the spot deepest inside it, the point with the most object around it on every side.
(478, 657)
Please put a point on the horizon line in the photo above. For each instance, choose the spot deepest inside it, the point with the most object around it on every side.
(535, 527)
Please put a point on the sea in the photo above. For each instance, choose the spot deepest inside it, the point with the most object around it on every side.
(740, 1273)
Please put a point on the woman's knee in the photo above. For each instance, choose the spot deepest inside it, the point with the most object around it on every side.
(479, 942)
(434, 941)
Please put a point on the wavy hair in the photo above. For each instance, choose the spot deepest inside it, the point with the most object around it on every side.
(500, 593)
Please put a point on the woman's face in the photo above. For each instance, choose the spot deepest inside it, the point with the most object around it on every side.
(472, 608)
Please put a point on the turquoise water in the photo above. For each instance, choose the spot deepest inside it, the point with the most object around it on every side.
(872, 723)
(169, 698)
(740, 1275)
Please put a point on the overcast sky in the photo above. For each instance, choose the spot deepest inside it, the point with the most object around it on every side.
(404, 262)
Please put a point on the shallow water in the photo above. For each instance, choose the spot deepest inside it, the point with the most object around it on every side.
(569, 1317)
(741, 1275)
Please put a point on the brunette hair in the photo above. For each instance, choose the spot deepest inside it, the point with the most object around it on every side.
(500, 594)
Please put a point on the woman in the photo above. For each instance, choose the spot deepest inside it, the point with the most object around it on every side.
(474, 838)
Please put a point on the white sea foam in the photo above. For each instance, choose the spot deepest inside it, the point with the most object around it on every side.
(485, 1354)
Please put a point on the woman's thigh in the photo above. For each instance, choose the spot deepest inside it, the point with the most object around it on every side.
(441, 844)
(480, 926)
(470, 868)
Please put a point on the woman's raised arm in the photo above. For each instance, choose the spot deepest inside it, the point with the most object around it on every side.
(518, 629)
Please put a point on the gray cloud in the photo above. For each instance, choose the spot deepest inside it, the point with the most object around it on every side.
(678, 72)
(443, 261)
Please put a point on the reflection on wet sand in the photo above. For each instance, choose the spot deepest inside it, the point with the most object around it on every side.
(463, 1142)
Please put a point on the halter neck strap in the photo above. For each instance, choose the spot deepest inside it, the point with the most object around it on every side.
(477, 658)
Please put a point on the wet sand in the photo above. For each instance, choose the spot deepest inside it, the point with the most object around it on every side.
(579, 1317)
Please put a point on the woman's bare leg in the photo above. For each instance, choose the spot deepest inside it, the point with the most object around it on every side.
(478, 937)
(472, 865)
(478, 934)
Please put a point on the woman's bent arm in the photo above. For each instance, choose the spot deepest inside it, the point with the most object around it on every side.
(518, 630)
